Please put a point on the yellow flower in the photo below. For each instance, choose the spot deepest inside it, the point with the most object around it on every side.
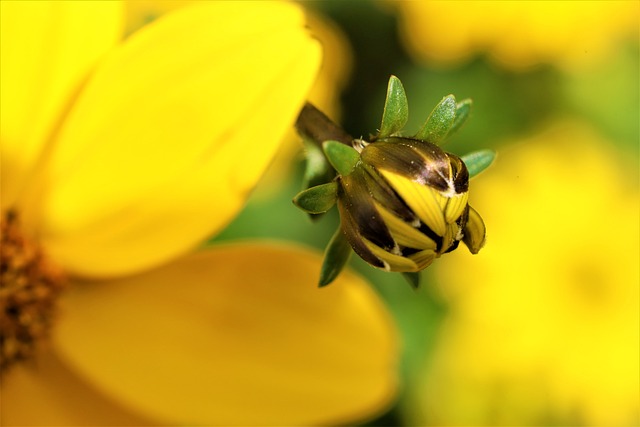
(544, 327)
(117, 160)
(325, 92)
(517, 34)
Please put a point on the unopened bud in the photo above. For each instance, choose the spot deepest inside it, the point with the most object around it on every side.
(403, 201)
(405, 204)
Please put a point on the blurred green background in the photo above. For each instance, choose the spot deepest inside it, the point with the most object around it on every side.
(513, 104)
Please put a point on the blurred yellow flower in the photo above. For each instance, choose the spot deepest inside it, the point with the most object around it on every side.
(324, 94)
(517, 34)
(544, 327)
(120, 158)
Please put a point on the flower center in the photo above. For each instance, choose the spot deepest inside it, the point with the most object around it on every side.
(29, 289)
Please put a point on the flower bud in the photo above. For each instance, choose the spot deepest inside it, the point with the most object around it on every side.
(402, 200)
(405, 204)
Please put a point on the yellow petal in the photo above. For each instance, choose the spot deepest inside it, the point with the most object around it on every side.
(46, 50)
(235, 335)
(45, 392)
(455, 207)
(426, 202)
(403, 233)
(452, 231)
(392, 262)
(172, 132)
(423, 258)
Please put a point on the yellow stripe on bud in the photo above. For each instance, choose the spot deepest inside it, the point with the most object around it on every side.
(422, 200)
(405, 234)
(391, 261)
(423, 258)
(455, 207)
(450, 236)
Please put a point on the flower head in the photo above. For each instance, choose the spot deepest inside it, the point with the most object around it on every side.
(403, 201)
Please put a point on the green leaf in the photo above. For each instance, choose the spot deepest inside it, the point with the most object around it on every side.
(477, 161)
(439, 122)
(396, 109)
(413, 279)
(463, 108)
(336, 256)
(318, 199)
(317, 168)
(341, 156)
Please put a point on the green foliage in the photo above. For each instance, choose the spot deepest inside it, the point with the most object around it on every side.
(317, 168)
(396, 109)
(478, 161)
(336, 256)
(341, 156)
(440, 121)
(318, 199)
(463, 109)
(413, 279)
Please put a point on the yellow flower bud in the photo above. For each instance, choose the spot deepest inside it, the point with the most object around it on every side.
(406, 203)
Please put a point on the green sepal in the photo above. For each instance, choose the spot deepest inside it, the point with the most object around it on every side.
(439, 122)
(318, 199)
(413, 278)
(477, 161)
(336, 256)
(317, 168)
(463, 108)
(396, 109)
(341, 156)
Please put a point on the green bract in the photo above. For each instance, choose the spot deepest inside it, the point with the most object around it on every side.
(403, 201)
(396, 109)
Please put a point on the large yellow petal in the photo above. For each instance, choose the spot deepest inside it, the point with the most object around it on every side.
(45, 392)
(172, 132)
(46, 50)
(235, 335)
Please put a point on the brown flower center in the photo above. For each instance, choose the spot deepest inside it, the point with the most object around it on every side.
(29, 289)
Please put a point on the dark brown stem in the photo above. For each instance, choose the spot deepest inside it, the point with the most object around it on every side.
(314, 125)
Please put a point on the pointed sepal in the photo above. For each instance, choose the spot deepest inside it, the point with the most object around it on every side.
(477, 161)
(463, 108)
(474, 232)
(396, 109)
(439, 122)
(341, 156)
(317, 170)
(413, 278)
(318, 199)
(336, 256)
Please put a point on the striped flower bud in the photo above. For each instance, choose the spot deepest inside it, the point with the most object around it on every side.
(405, 203)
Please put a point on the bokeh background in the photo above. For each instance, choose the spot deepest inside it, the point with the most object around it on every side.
(541, 327)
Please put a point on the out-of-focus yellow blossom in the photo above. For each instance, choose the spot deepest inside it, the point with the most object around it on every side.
(118, 159)
(324, 94)
(517, 34)
(336, 60)
(544, 327)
